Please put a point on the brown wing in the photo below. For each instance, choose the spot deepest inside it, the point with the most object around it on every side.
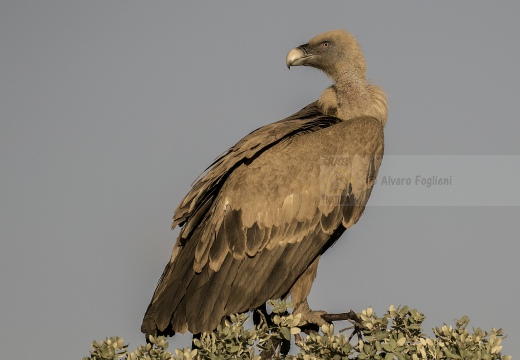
(261, 215)
(307, 119)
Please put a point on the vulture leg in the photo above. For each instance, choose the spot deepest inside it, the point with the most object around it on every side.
(311, 319)
(299, 293)
(302, 287)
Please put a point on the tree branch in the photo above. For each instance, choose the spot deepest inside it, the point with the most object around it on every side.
(350, 316)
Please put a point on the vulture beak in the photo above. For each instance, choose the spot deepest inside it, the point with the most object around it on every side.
(297, 56)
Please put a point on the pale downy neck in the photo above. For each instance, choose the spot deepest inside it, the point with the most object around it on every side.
(352, 96)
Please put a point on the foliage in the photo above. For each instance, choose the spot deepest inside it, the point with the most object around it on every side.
(396, 335)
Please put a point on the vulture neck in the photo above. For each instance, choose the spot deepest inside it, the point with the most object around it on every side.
(352, 96)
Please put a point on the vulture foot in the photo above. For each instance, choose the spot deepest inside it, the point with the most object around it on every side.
(311, 320)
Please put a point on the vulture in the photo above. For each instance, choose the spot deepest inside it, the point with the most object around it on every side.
(254, 225)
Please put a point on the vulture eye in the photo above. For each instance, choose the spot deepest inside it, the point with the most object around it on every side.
(325, 44)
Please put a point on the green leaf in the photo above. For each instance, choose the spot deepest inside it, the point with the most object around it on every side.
(295, 330)
(286, 333)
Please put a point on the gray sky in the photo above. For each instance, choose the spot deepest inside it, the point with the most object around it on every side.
(109, 110)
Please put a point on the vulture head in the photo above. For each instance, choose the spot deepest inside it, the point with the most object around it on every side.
(338, 54)
(335, 52)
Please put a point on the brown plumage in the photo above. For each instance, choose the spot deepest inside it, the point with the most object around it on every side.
(255, 224)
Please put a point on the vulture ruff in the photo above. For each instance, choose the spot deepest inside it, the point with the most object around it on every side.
(254, 225)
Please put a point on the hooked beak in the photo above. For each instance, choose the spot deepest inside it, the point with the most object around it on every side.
(297, 56)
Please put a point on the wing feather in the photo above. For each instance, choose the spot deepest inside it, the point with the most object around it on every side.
(307, 119)
(219, 249)
(254, 239)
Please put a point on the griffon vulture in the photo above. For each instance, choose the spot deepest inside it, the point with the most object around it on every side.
(254, 225)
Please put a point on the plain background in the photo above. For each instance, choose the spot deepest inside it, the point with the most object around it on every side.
(110, 109)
